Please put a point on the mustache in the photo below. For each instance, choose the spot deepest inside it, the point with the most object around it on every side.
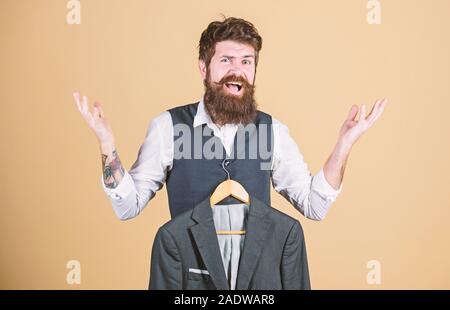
(234, 78)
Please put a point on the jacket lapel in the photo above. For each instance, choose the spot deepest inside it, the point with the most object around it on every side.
(205, 237)
(258, 227)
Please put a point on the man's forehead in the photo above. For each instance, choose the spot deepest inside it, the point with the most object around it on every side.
(234, 49)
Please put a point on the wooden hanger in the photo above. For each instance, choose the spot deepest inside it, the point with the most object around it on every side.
(229, 188)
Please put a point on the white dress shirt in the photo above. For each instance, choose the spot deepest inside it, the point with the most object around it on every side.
(311, 195)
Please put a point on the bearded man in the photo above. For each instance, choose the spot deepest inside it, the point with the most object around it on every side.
(228, 58)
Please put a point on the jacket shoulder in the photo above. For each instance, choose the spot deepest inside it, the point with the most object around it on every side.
(178, 223)
(284, 220)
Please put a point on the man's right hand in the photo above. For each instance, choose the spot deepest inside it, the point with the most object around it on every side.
(113, 171)
(96, 120)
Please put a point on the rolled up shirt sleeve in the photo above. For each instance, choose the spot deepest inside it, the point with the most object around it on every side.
(123, 189)
(291, 177)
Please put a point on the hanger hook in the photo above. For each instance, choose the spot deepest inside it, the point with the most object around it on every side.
(223, 166)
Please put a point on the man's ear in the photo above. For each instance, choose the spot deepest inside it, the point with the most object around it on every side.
(202, 68)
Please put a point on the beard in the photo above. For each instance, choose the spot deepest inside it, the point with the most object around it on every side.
(226, 107)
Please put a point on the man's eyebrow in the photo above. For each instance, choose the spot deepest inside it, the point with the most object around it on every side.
(246, 56)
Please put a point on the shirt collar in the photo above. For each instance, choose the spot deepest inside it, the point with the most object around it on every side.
(202, 116)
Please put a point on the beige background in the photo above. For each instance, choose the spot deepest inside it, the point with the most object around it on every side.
(318, 58)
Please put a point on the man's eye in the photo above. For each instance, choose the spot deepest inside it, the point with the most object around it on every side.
(224, 60)
(247, 62)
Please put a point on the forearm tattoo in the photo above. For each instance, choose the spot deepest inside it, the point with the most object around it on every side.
(113, 171)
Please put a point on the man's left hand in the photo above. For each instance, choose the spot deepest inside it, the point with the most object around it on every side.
(352, 129)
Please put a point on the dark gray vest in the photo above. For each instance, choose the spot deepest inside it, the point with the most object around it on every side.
(195, 173)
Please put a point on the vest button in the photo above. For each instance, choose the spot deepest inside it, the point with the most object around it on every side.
(227, 162)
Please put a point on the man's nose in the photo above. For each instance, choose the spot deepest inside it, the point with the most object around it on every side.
(236, 71)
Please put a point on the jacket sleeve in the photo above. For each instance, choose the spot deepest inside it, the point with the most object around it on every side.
(294, 264)
(165, 271)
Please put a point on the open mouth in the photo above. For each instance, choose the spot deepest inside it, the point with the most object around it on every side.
(234, 88)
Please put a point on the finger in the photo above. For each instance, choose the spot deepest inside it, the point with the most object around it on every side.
(85, 107)
(383, 103)
(374, 111)
(374, 107)
(96, 113)
(352, 113)
(379, 111)
(76, 96)
(86, 113)
(362, 113)
(99, 108)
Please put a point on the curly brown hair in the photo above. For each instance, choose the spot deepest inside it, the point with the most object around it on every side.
(231, 28)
